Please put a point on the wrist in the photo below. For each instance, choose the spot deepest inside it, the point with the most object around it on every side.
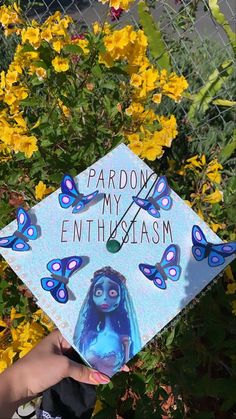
(13, 390)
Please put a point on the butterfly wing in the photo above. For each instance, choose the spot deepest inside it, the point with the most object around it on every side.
(199, 243)
(65, 200)
(219, 252)
(173, 272)
(69, 191)
(20, 245)
(25, 227)
(142, 203)
(152, 274)
(57, 289)
(7, 241)
(161, 188)
(15, 243)
(153, 211)
(165, 202)
(161, 193)
(215, 259)
(170, 262)
(84, 201)
(55, 266)
(70, 265)
(31, 232)
(23, 220)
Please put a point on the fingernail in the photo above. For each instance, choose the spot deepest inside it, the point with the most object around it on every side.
(125, 368)
(99, 378)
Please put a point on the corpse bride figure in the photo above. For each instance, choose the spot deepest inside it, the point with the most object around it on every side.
(106, 332)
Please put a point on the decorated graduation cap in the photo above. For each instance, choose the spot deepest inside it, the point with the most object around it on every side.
(113, 256)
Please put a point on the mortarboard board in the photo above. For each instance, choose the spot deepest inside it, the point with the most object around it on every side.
(113, 256)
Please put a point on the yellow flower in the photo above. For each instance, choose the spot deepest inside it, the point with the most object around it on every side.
(151, 150)
(9, 98)
(231, 288)
(106, 59)
(234, 307)
(190, 204)
(213, 171)
(96, 28)
(173, 85)
(216, 226)
(65, 110)
(3, 266)
(41, 190)
(82, 43)
(193, 162)
(200, 214)
(41, 73)
(6, 358)
(229, 274)
(58, 45)
(46, 34)
(26, 145)
(9, 16)
(135, 144)
(135, 80)
(11, 77)
(135, 109)
(32, 35)
(124, 4)
(14, 315)
(60, 64)
(214, 197)
(157, 98)
(43, 319)
(98, 406)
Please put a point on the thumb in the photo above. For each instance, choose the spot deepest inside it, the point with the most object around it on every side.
(85, 374)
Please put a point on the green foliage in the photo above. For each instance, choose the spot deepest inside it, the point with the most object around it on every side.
(221, 20)
(156, 43)
(206, 94)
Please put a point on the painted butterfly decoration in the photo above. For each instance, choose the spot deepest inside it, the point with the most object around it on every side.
(168, 268)
(61, 270)
(159, 200)
(216, 253)
(26, 231)
(70, 195)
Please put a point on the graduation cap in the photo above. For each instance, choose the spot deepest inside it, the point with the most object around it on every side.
(113, 256)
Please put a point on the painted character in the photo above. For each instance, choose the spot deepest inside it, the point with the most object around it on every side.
(106, 333)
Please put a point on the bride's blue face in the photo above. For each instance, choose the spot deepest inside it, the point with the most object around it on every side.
(106, 294)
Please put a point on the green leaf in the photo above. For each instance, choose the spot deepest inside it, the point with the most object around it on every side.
(31, 102)
(203, 98)
(227, 151)
(156, 44)
(170, 338)
(27, 48)
(224, 102)
(111, 85)
(96, 71)
(40, 64)
(220, 18)
(74, 49)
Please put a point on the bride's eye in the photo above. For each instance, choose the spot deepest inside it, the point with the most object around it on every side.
(98, 292)
(113, 293)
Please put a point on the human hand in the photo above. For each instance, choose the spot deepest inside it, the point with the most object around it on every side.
(41, 368)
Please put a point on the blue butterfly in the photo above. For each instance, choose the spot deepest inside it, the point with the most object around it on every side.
(159, 200)
(70, 195)
(215, 253)
(25, 232)
(61, 270)
(167, 268)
